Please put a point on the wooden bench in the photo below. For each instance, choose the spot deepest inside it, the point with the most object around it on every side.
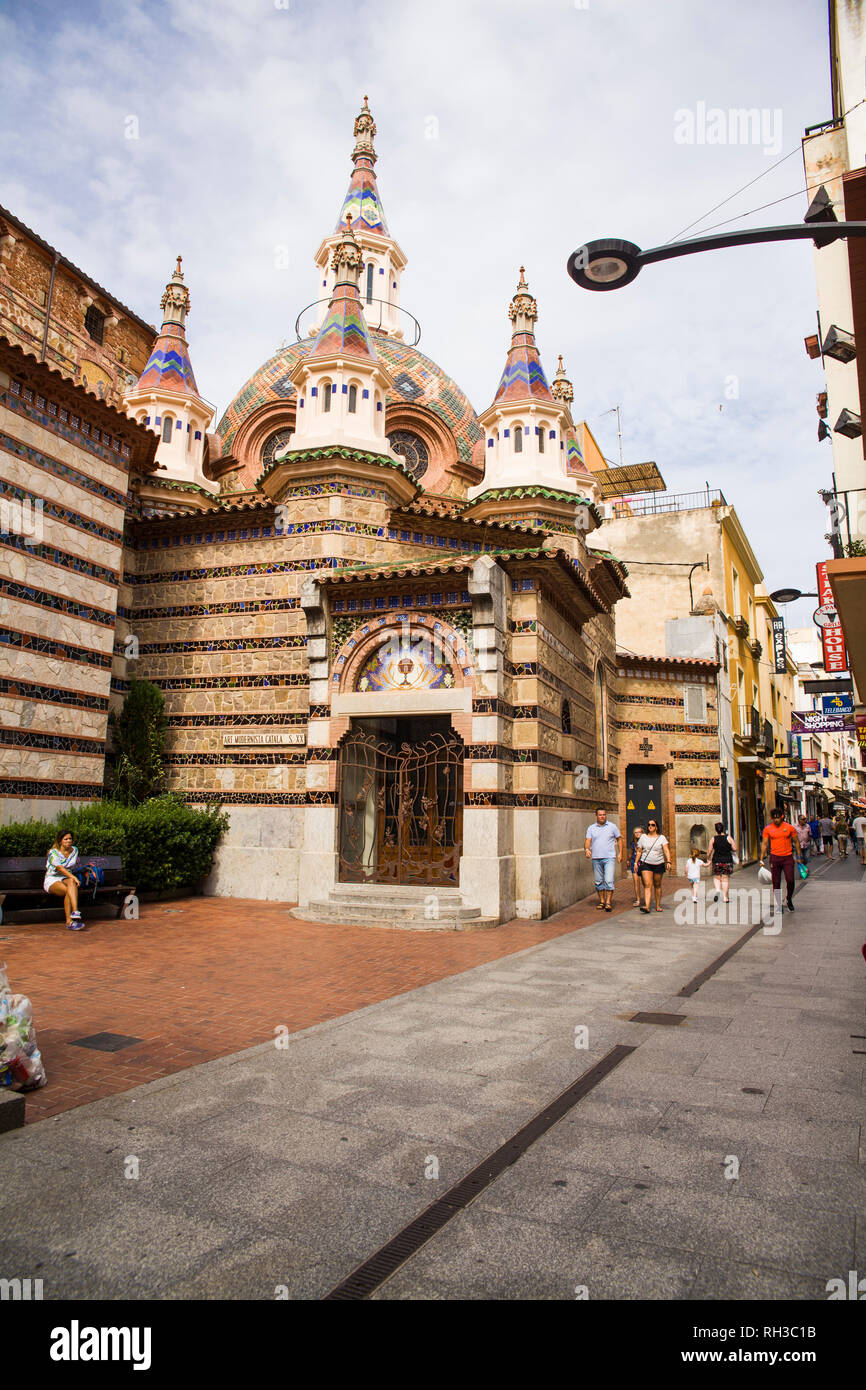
(22, 896)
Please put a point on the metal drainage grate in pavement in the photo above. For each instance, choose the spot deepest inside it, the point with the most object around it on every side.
(664, 1020)
(106, 1042)
(369, 1276)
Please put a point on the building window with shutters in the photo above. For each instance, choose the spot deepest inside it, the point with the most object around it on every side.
(695, 704)
(94, 323)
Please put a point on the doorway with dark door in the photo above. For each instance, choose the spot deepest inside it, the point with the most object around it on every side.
(643, 797)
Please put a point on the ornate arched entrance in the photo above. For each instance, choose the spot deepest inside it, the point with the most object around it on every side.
(400, 797)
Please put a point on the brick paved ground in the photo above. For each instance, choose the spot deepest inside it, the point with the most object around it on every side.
(205, 977)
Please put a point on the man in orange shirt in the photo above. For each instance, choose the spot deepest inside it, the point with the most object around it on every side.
(780, 837)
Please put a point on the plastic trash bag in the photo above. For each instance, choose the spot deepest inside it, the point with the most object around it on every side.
(764, 875)
(21, 1065)
(803, 870)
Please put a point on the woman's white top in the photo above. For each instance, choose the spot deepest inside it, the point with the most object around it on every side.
(56, 860)
(652, 848)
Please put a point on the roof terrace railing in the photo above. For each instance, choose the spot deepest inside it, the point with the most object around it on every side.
(659, 503)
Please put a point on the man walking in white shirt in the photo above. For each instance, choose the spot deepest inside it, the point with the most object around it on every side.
(603, 845)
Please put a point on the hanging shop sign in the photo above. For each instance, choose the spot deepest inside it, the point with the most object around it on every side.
(837, 704)
(809, 721)
(832, 639)
(778, 626)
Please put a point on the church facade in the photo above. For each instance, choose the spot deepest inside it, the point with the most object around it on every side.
(382, 623)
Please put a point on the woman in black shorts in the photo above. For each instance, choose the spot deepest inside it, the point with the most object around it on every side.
(722, 856)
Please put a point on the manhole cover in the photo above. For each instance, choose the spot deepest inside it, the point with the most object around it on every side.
(106, 1042)
(664, 1020)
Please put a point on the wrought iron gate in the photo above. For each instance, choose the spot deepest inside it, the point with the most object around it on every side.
(401, 809)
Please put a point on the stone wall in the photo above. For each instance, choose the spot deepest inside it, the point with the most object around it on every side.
(64, 466)
(108, 368)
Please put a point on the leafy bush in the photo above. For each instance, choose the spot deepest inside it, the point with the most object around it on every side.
(163, 842)
(138, 732)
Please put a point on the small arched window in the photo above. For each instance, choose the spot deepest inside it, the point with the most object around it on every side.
(326, 396)
(566, 717)
(518, 439)
(353, 399)
(142, 417)
(370, 283)
(167, 426)
(542, 429)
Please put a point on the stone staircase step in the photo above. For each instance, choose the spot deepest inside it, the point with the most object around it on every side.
(332, 915)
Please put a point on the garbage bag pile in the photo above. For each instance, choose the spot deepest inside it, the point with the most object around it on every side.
(21, 1066)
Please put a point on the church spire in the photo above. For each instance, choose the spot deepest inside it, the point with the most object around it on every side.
(523, 377)
(344, 330)
(166, 397)
(168, 367)
(384, 261)
(362, 201)
(562, 388)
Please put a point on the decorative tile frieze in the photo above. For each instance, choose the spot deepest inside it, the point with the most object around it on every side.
(53, 695)
(62, 470)
(61, 743)
(60, 557)
(32, 642)
(72, 791)
(65, 515)
(28, 593)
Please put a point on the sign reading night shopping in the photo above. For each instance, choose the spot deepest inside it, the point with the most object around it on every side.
(808, 721)
(835, 655)
(778, 625)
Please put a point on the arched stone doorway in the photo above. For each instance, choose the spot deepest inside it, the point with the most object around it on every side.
(400, 798)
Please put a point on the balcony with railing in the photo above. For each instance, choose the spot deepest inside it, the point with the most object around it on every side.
(748, 724)
(664, 503)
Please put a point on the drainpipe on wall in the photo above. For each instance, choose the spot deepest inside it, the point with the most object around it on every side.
(48, 305)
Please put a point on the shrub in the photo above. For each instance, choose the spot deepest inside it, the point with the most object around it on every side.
(163, 842)
(138, 735)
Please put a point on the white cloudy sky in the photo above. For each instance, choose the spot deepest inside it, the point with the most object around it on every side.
(555, 124)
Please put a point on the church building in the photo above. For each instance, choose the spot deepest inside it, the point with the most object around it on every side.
(382, 629)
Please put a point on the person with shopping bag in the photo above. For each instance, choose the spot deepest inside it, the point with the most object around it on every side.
(781, 840)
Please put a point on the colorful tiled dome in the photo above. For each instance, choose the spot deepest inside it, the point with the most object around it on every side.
(417, 380)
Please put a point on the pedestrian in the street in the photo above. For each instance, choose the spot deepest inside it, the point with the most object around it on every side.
(817, 844)
(603, 845)
(633, 861)
(60, 880)
(827, 835)
(804, 835)
(722, 852)
(780, 839)
(655, 857)
(840, 830)
(693, 871)
(858, 830)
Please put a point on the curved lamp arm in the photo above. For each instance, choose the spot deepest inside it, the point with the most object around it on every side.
(608, 264)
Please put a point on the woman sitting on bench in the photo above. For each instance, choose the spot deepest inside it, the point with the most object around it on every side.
(60, 880)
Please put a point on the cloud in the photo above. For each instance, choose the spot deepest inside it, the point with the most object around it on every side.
(553, 124)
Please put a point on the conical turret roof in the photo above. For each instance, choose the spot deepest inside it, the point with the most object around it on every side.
(362, 201)
(523, 376)
(168, 368)
(344, 332)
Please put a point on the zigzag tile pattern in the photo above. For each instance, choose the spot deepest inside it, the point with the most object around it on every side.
(364, 203)
(168, 366)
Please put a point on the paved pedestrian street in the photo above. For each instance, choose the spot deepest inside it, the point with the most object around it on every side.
(721, 1159)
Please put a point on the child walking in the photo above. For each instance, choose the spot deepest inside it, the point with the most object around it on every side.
(693, 871)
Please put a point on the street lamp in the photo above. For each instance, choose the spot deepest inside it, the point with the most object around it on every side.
(610, 263)
(791, 595)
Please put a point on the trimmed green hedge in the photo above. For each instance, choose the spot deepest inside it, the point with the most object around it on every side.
(164, 843)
